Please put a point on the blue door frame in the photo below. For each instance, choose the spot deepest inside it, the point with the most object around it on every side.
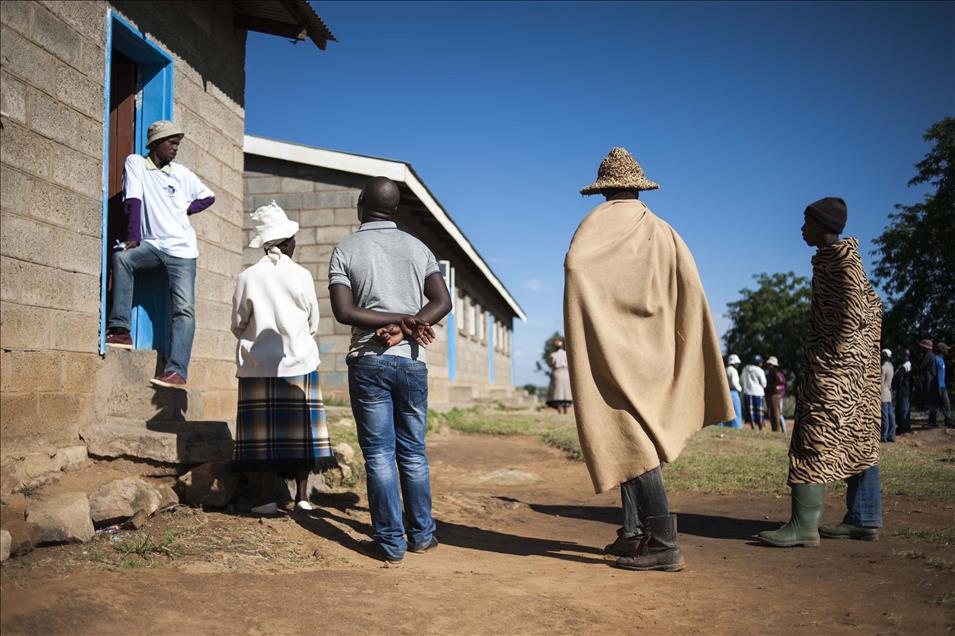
(149, 320)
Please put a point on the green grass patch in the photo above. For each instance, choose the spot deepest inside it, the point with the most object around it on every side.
(935, 536)
(722, 460)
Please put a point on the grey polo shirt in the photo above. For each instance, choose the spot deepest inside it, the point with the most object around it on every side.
(385, 269)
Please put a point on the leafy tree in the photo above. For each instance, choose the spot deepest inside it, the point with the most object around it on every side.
(770, 320)
(916, 251)
(541, 366)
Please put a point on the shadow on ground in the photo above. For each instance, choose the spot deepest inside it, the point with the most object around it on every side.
(700, 525)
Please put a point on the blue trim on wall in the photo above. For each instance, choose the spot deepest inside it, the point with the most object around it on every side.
(452, 339)
(104, 197)
(149, 319)
(490, 347)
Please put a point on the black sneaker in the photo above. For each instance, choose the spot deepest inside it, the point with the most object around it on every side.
(375, 551)
(427, 547)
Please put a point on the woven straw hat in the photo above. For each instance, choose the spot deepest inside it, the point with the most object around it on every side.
(620, 170)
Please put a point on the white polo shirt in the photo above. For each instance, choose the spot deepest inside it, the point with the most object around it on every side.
(166, 195)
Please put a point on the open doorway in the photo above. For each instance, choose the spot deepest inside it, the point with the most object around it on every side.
(138, 92)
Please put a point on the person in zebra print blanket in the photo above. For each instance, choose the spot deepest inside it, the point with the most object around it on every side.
(838, 391)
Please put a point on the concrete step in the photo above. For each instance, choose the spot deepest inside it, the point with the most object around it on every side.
(170, 442)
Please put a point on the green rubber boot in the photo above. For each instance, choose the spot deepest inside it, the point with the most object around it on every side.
(808, 501)
(849, 531)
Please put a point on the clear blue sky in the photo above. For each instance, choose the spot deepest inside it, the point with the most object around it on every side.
(744, 113)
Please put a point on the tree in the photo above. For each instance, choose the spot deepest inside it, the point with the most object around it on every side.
(542, 365)
(770, 320)
(916, 252)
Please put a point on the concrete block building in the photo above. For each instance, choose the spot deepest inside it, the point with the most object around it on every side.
(80, 81)
(471, 359)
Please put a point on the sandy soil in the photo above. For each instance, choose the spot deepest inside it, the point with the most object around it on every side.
(521, 535)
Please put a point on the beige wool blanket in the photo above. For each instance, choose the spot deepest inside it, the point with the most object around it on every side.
(644, 359)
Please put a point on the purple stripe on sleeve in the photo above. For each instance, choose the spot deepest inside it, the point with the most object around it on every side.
(133, 209)
(199, 205)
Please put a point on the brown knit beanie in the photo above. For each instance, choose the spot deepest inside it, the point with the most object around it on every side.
(831, 212)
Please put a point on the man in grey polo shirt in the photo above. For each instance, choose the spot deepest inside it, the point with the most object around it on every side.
(386, 284)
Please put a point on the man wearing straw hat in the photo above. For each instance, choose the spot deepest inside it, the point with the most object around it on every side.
(645, 363)
(159, 196)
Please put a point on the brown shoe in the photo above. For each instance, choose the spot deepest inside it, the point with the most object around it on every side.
(170, 380)
(119, 340)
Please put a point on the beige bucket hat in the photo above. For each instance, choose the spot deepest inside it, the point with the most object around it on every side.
(271, 224)
(161, 129)
(620, 170)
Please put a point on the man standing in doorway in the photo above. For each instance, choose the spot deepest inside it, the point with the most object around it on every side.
(159, 196)
(754, 390)
(386, 284)
(645, 363)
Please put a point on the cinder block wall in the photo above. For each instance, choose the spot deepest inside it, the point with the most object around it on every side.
(323, 202)
(52, 67)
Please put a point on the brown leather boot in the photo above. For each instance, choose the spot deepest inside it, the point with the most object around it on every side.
(658, 550)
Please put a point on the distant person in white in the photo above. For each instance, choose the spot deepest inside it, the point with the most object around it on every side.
(158, 198)
(754, 389)
(732, 377)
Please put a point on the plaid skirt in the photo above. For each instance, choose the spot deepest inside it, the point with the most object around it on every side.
(280, 425)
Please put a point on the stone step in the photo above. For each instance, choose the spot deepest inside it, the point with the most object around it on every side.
(129, 394)
(169, 442)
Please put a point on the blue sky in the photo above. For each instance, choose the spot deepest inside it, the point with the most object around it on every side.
(743, 112)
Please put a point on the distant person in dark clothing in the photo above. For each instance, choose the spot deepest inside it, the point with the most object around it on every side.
(941, 393)
(902, 385)
(925, 378)
(775, 392)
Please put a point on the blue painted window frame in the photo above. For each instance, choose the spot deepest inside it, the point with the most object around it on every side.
(149, 323)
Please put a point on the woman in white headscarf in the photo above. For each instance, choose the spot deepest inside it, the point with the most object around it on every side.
(280, 426)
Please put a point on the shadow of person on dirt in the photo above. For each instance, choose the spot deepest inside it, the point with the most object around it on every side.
(699, 525)
(320, 522)
(474, 538)
(323, 523)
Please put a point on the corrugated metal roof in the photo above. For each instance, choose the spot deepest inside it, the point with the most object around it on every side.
(399, 171)
(288, 18)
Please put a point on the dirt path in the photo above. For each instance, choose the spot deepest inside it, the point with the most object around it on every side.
(521, 534)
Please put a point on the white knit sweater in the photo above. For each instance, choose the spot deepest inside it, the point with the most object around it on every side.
(275, 318)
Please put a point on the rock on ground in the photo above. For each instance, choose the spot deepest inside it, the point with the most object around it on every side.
(120, 499)
(5, 541)
(210, 485)
(344, 453)
(63, 519)
(23, 536)
(70, 458)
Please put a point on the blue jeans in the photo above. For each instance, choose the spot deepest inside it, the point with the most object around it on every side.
(389, 399)
(181, 273)
(903, 411)
(864, 499)
(888, 422)
(738, 408)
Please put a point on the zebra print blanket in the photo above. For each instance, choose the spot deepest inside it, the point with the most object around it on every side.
(838, 391)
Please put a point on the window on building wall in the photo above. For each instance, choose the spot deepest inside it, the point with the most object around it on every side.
(472, 318)
(507, 341)
(461, 310)
(482, 324)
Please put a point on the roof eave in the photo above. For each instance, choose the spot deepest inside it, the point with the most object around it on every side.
(397, 171)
